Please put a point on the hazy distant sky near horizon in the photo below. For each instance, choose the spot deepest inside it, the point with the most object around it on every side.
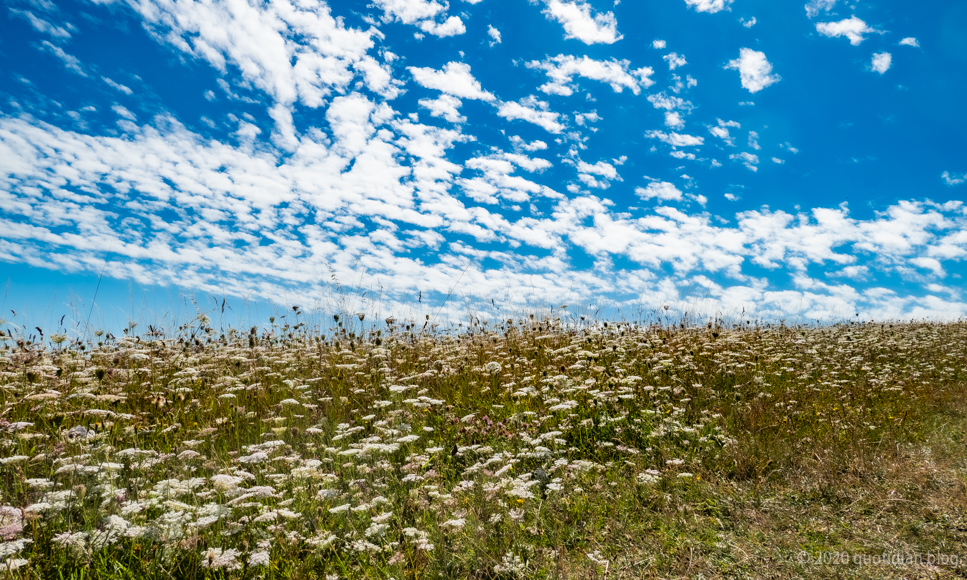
(788, 159)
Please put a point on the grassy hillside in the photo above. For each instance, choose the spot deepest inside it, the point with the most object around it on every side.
(525, 449)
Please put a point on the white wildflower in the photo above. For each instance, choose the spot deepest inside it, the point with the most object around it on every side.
(11, 548)
(188, 455)
(598, 559)
(259, 559)
(216, 559)
(40, 483)
(455, 525)
(383, 517)
(511, 564)
(322, 540)
(13, 564)
(257, 457)
(75, 542)
(376, 529)
(114, 528)
(493, 367)
(650, 476)
(40, 508)
(225, 483)
(10, 515)
(364, 546)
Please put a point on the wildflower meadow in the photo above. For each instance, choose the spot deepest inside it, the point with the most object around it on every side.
(528, 447)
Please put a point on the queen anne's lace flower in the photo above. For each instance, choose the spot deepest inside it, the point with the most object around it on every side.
(217, 559)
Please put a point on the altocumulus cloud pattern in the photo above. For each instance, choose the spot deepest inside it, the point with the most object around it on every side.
(711, 155)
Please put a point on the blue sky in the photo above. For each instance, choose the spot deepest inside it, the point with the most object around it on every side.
(789, 160)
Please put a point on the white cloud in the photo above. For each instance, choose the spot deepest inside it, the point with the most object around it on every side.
(576, 17)
(529, 164)
(748, 23)
(852, 28)
(410, 11)
(601, 168)
(673, 120)
(497, 180)
(658, 44)
(42, 26)
(674, 60)
(748, 159)
(368, 187)
(754, 140)
(723, 134)
(562, 69)
(928, 263)
(659, 190)
(291, 51)
(778, 161)
(117, 86)
(452, 26)
(124, 113)
(755, 71)
(675, 139)
(444, 106)
(711, 6)
(881, 62)
(247, 131)
(422, 13)
(494, 35)
(599, 175)
(669, 103)
(533, 111)
(204, 215)
(70, 61)
(520, 144)
(455, 79)
(854, 272)
(815, 6)
(952, 179)
(722, 131)
(910, 41)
